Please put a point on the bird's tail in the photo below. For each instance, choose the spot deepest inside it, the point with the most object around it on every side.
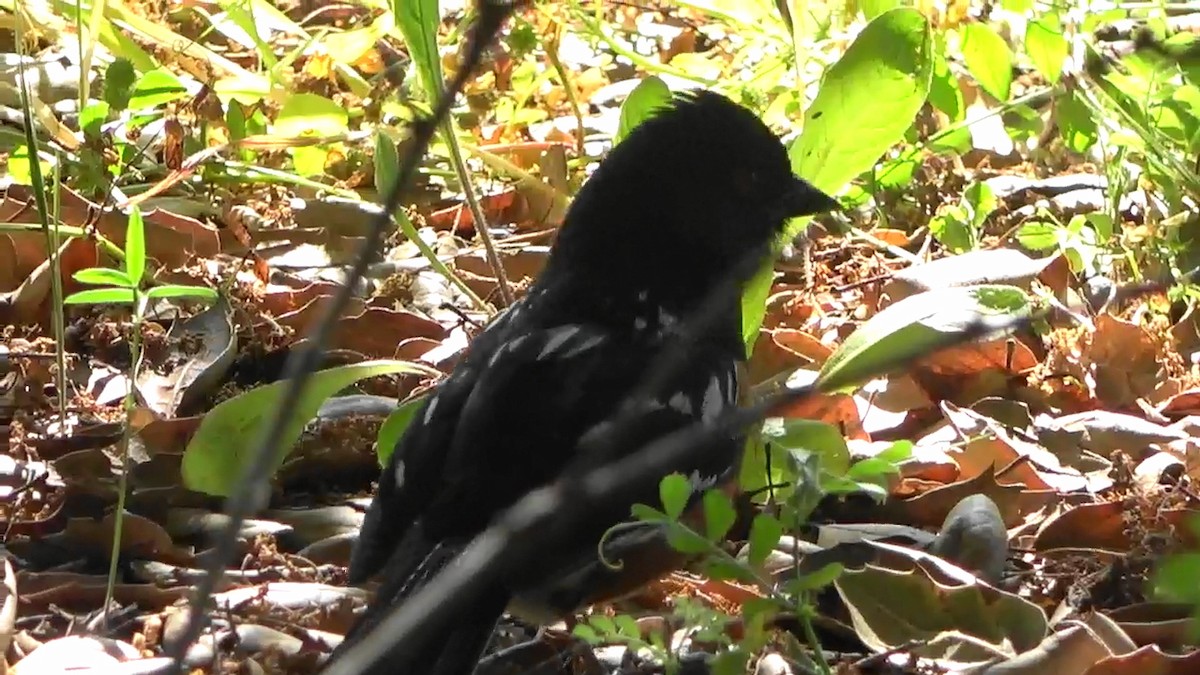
(453, 649)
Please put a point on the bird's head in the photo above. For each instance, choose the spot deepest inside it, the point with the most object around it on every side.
(702, 181)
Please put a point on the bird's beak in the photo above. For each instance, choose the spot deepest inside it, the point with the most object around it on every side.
(802, 199)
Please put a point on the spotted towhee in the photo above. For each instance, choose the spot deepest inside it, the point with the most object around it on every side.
(699, 187)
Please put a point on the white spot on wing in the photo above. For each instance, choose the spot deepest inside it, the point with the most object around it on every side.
(701, 483)
(680, 401)
(640, 323)
(714, 400)
(642, 296)
(557, 338)
(581, 347)
(666, 319)
(398, 474)
(433, 402)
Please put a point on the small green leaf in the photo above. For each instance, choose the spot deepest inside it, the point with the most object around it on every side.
(101, 296)
(103, 276)
(674, 491)
(1046, 46)
(1075, 121)
(168, 291)
(155, 88)
(897, 452)
(19, 168)
(387, 162)
(982, 201)
(687, 541)
(1038, 236)
(648, 514)
(870, 468)
(135, 247)
(310, 115)
(118, 84)
(988, 58)
(92, 118)
(586, 633)
(627, 626)
(816, 580)
(730, 662)
(765, 531)
(821, 439)
(944, 92)
(603, 624)
(648, 97)
(719, 515)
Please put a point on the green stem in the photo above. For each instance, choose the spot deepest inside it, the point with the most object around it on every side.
(135, 355)
(804, 612)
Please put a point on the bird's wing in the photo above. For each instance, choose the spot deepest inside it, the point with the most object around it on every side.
(412, 473)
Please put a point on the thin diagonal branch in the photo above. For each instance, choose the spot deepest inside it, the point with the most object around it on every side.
(252, 487)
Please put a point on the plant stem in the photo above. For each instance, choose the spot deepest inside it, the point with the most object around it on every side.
(481, 226)
(804, 611)
(135, 355)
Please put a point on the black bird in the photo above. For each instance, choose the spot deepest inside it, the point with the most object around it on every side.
(668, 216)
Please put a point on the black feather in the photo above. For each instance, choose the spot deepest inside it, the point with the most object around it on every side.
(689, 194)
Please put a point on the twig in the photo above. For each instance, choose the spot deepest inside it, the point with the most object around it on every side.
(252, 489)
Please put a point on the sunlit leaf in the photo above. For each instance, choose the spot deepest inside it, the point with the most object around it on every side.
(988, 58)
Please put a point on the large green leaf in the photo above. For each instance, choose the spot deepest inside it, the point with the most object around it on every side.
(418, 22)
(866, 102)
(220, 448)
(918, 326)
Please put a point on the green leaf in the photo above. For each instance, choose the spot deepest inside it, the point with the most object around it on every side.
(719, 515)
(866, 102)
(587, 634)
(685, 540)
(218, 451)
(871, 468)
(176, 291)
(1075, 121)
(917, 326)
(944, 92)
(19, 168)
(135, 247)
(310, 115)
(897, 452)
(101, 296)
(394, 427)
(816, 580)
(118, 84)
(627, 626)
(1038, 236)
(92, 118)
(988, 58)
(103, 276)
(952, 229)
(674, 491)
(821, 439)
(874, 8)
(155, 88)
(765, 531)
(387, 162)
(1017, 6)
(1046, 46)
(418, 22)
(648, 514)
(651, 95)
(982, 201)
